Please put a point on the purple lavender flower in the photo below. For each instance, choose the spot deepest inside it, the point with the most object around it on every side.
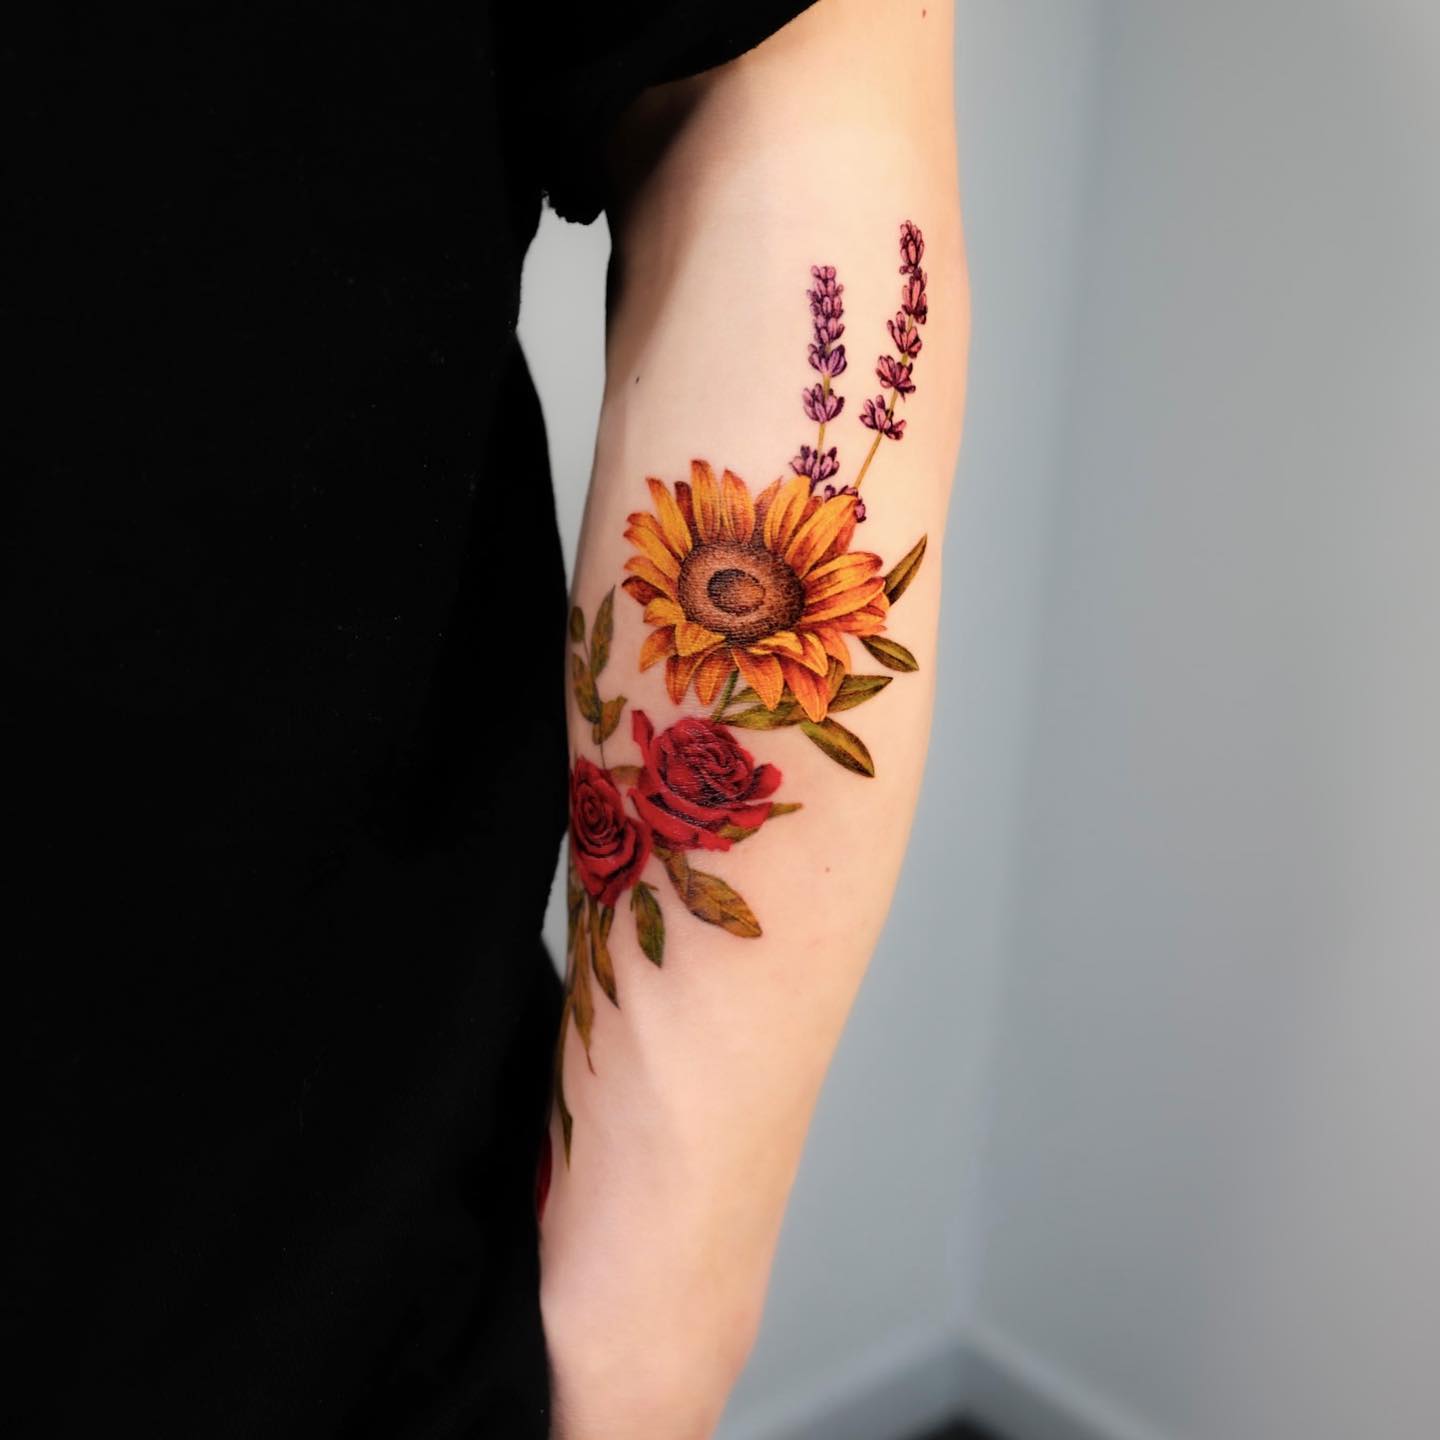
(828, 361)
(912, 247)
(913, 300)
(816, 465)
(831, 492)
(876, 416)
(904, 335)
(819, 406)
(894, 375)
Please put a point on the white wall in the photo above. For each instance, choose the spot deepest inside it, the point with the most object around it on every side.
(1213, 1182)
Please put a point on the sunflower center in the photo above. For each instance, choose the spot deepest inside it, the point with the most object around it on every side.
(744, 592)
(736, 592)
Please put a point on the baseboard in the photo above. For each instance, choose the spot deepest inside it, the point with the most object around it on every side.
(1009, 1390)
(895, 1393)
(918, 1383)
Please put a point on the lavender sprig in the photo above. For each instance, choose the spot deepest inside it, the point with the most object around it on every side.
(827, 359)
(896, 372)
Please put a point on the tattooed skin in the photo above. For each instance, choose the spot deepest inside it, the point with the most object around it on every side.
(751, 600)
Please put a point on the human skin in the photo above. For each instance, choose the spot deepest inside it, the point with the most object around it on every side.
(687, 1086)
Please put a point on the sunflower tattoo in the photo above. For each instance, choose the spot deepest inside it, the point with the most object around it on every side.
(752, 601)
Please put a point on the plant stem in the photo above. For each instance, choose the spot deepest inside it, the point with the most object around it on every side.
(825, 391)
(725, 695)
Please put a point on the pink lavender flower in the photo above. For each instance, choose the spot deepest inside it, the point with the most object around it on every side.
(828, 360)
(912, 247)
(831, 492)
(875, 415)
(894, 375)
(912, 298)
(817, 465)
(819, 406)
(904, 335)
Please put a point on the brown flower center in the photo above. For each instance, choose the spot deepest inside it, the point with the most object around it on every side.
(744, 592)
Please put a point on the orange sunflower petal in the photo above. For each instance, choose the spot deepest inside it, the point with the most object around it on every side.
(763, 502)
(834, 643)
(659, 645)
(869, 620)
(711, 675)
(678, 671)
(811, 690)
(672, 522)
(762, 673)
(641, 590)
(686, 505)
(814, 656)
(706, 497)
(782, 517)
(663, 611)
(841, 543)
(811, 539)
(652, 574)
(737, 509)
(782, 642)
(693, 639)
(834, 607)
(645, 534)
(840, 574)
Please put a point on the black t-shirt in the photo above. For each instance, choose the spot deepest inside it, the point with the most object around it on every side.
(284, 725)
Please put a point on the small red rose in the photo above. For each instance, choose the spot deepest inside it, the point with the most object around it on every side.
(609, 847)
(696, 779)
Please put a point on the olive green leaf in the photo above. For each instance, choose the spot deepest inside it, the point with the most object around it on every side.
(857, 689)
(602, 632)
(583, 683)
(567, 1120)
(649, 922)
(577, 624)
(610, 713)
(744, 832)
(709, 898)
(890, 652)
(853, 690)
(898, 580)
(624, 774)
(582, 998)
(841, 745)
(600, 961)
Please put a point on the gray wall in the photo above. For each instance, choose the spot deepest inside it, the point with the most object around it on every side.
(1132, 1134)
(1213, 1184)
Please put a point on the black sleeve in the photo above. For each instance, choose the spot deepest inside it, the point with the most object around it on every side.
(584, 67)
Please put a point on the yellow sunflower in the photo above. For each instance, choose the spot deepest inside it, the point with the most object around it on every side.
(761, 584)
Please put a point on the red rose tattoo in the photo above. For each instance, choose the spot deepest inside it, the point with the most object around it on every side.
(696, 779)
(609, 847)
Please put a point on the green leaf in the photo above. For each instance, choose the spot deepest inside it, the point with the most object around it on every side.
(600, 960)
(649, 922)
(898, 580)
(567, 1120)
(890, 652)
(841, 745)
(610, 712)
(583, 683)
(857, 689)
(787, 807)
(709, 898)
(582, 998)
(787, 712)
(602, 632)
(577, 624)
(622, 775)
(744, 832)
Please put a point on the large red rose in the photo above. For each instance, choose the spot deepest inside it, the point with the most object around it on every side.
(696, 779)
(609, 847)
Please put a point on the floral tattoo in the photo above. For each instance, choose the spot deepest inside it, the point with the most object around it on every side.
(751, 601)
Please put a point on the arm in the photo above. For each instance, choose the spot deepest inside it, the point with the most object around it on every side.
(751, 676)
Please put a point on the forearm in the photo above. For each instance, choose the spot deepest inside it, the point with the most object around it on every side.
(764, 841)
